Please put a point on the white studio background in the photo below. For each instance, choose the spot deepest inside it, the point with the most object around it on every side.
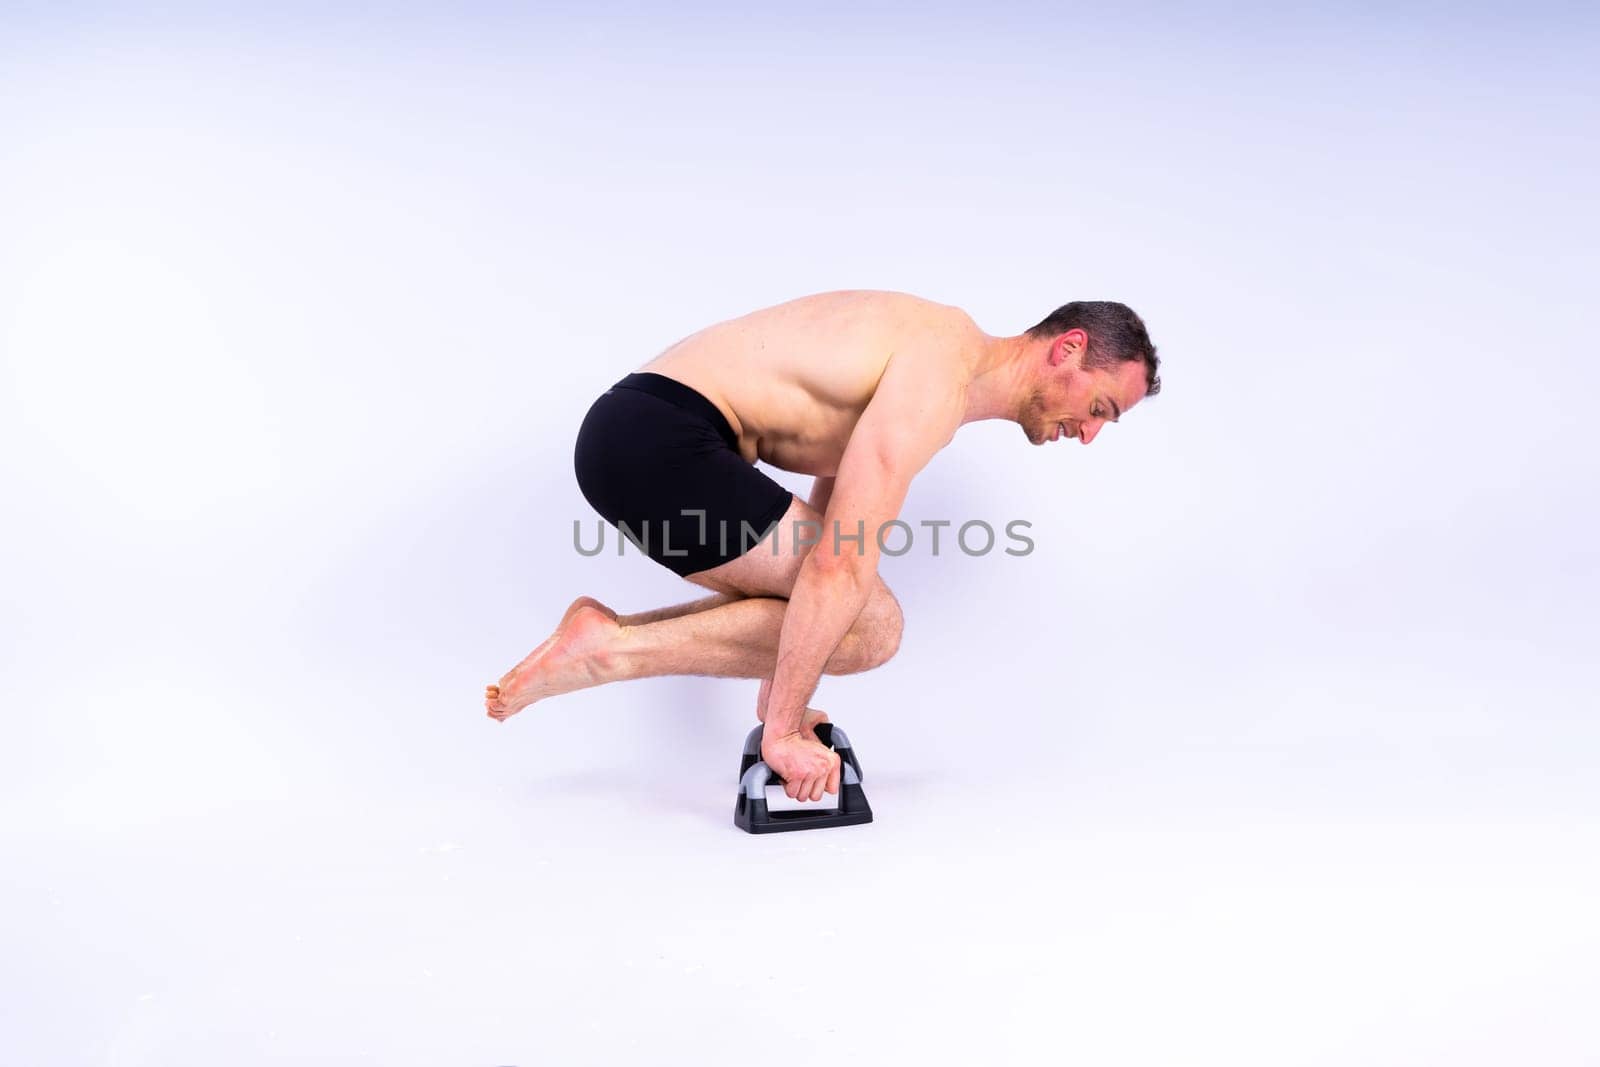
(1279, 749)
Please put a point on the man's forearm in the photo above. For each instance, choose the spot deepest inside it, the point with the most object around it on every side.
(828, 594)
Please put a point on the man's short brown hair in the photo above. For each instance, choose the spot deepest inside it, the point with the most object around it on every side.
(1116, 335)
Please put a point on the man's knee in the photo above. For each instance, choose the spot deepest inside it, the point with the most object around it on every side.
(880, 623)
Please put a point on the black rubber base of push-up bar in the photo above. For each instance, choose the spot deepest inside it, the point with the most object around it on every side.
(750, 807)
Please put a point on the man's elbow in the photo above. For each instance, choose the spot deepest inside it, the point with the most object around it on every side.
(846, 565)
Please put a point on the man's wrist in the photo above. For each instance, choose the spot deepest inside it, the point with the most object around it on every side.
(781, 723)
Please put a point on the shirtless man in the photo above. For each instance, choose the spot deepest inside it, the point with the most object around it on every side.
(859, 388)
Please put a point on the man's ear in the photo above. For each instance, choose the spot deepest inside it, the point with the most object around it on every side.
(1069, 348)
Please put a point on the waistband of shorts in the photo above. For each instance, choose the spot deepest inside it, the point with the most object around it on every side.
(679, 395)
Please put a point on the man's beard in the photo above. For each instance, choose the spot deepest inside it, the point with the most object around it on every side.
(1032, 416)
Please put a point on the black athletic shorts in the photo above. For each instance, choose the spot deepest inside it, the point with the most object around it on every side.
(657, 460)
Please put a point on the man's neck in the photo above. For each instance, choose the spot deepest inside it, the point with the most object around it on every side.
(1000, 379)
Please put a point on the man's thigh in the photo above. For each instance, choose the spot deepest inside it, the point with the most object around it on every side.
(772, 565)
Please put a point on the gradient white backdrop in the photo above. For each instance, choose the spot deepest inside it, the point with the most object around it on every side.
(1279, 749)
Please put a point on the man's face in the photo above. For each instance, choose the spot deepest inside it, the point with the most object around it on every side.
(1072, 402)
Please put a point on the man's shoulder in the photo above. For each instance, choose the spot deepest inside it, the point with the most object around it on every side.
(938, 349)
(921, 312)
(925, 385)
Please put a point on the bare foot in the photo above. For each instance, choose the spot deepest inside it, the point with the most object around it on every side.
(573, 657)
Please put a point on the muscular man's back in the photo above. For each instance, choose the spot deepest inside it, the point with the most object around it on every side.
(793, 379)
